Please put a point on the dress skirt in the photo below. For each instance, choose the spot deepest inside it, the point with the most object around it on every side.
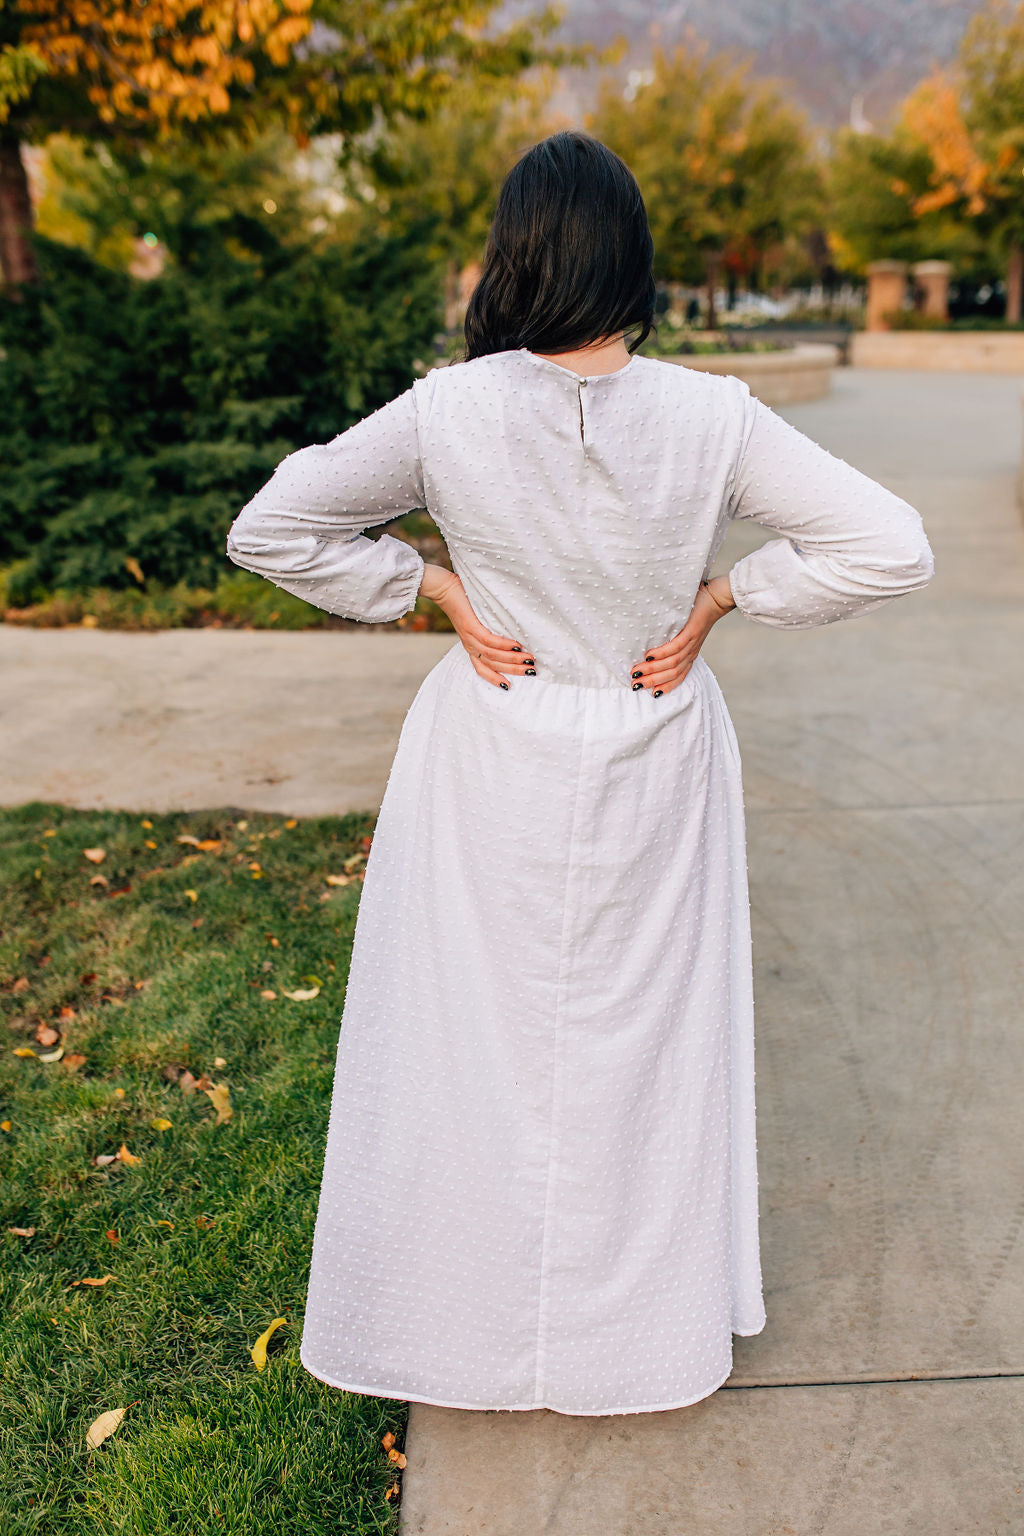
(540, 1181)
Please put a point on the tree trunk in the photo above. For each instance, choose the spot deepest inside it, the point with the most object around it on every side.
(1014, 276)
(712, 266)
(17, 258)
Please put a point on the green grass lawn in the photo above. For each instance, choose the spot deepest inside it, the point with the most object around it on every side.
(158, 973)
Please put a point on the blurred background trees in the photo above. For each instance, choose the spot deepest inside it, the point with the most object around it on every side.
(230, 227)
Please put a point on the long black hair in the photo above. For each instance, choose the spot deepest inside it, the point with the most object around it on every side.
(568, 257)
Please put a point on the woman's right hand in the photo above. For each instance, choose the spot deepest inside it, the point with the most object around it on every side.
(665, 666)
(492, 655)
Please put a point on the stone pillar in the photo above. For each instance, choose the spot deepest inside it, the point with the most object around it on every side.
(932, 277)
(887, 284)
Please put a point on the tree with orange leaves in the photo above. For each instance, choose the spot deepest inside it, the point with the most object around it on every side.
(113, 69)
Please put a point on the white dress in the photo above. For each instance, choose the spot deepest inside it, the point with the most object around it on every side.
(540, 1185)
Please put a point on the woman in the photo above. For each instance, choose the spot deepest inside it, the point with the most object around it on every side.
(540, 1186)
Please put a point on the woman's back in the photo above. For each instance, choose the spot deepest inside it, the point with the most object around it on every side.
(580, 513)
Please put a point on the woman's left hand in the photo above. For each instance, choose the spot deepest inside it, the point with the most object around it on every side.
(492, 655)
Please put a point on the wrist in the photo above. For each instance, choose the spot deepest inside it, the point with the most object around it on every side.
(720, 593)
(437, 583)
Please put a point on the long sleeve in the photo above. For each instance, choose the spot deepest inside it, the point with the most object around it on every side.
(847, 546)
(304, 529)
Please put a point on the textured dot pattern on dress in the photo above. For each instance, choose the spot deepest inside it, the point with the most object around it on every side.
(540, 1179)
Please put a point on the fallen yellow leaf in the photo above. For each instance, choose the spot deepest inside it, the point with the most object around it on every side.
(90, 621)
(219, 1061)
(259, 1349)
(50, 832)
(99, 880)
(340, 879)
(291, 822)
(302, 995)
(192, 895)
(95, 855)
(267, 995)
(104, 1426)
(220, 1097)
(397, 1457)
(101, 1281)
(187, 837)
(128, 1157)
(118, 1093)
(148, 825)
(160, 1124)
(133, 568)
(23, 1050)
(150, 843)
(5, 1125)
(388, 1440)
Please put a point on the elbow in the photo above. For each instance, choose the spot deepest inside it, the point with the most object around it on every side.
(913, 566)
(243, 546)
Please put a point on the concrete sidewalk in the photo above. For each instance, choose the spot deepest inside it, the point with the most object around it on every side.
(884, 777)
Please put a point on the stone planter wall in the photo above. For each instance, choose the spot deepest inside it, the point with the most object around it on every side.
(945, 351)
(778, 378)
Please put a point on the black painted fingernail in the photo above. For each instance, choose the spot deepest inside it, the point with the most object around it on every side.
(503, 685)
(648, 658)
(636, 674)
(658, 693)
(517, 647)
(530, 672)
(636, 686)
(529, 661)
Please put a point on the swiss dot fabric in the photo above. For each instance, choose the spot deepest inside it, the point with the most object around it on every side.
(540, 1182)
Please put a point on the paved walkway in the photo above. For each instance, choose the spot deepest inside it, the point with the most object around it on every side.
(884, 777)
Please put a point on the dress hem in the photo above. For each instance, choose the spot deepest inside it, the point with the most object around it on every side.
(583, 1413)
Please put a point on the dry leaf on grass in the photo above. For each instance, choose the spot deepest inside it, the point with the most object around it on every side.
(220, 1097)
(21, 985)
(268, 996)
(128, 1157)
(5, 1125)
(74, 1061)
(391, 1493)
(204, 1222)
(192, 895)
(258, 1352)
(22, 1231)
(398, 1458)
(95, 855)
(388, 1440)
(302, 995)
(23, 1050)
(102, 1281)
(47, 1035)
(104, 1426)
